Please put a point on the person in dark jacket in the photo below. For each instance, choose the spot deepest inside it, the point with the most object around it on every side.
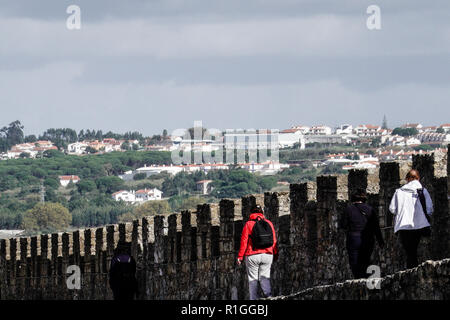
(122, 273)
(361, 224)
(258, 261)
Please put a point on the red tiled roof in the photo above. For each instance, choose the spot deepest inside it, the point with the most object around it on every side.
(69, 178)
(410, 125)
(116, 193)
(144, 191)
(289, 130)
(45, 148)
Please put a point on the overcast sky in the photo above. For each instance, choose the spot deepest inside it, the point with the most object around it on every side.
(161, 64)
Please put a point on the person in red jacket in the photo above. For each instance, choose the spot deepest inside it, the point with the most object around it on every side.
(257, 261)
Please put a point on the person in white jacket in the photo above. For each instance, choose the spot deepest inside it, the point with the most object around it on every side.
(410, 219)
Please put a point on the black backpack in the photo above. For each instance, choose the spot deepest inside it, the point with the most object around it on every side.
(423, 203)
(262, 234)
(426, 232)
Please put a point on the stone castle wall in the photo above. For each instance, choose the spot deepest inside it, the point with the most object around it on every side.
(429, 281)
(191, 255)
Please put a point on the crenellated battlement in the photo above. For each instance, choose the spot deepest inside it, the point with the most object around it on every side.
(191, 255)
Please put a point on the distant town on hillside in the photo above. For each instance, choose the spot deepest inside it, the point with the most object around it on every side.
(97, 178)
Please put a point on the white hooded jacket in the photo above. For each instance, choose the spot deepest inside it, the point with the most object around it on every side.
(406, 207)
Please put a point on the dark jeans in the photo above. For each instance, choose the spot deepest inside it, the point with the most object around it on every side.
(410, 241)
(359, 251)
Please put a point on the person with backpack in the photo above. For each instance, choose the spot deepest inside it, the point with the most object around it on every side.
(122, 274)
(362, 227)
(259, 249)
(412, 207)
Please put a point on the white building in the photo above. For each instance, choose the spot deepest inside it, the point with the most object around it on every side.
(303, 129)
(433, 137)
(368, 130)
(345, 129)
(288, 137)
(417, 126)
(77, 148)
(395, 141)
(31, 148)
(205, 167)
(265, 168)
(402, 141)
(320, 130)
(148, 195)
(161, 147)
(446, 127)
(150, 170)
(15, 154)
(137, 196)
(112, 144)
(127, 196)
(429, 129)
(65, 180)
(412, 141)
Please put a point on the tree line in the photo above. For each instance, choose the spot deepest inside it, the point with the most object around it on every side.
(13, 134)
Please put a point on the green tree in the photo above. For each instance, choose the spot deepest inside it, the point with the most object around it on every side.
(90, 150)
(85, 186)
(50, 196)
(38, 172)
(47, 217)
(125, 146)
(11, 135)
(31, 138)
(60, 137)
(52, 154)
(267, 182)
(405, 132)
(440, 130)
(10, 219)
(376, 142)
(140, 176)
(109, 184)
(178, 203)
(333, 169)
(149, 208)
(51, 183)
(70, 185)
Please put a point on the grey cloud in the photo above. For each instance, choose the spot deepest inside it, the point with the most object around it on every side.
(150, 65)
(354, 72)
(102, 9)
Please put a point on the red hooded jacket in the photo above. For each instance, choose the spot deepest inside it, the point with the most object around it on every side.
(246, 248)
